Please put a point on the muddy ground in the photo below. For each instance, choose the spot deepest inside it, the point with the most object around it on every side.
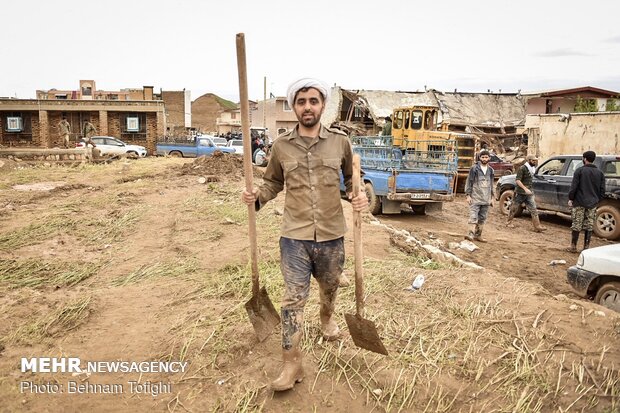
(145, 261)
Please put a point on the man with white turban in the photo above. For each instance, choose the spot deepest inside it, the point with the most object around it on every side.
(307, 160)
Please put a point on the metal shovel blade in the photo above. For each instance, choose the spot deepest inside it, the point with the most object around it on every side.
(262, 314)
(364, 334)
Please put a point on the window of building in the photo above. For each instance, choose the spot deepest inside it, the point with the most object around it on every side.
(233, 115)
(14, 123)
(62, 96)
(286, 107)
(133, 124)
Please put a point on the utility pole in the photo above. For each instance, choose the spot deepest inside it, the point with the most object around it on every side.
(265, 104)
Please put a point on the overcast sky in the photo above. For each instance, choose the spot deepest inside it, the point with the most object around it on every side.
(391, 45)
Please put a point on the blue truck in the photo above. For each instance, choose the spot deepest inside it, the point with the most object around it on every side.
(422, 176)
(202, 145)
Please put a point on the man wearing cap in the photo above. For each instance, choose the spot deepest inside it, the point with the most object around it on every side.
(479, 190)
(308, 160)
(586, 191)
(524, 193)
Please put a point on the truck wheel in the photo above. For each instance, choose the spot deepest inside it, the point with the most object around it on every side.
(176, 154)
(505, 202)
(374, 202)
(609, 296)
(607, 222)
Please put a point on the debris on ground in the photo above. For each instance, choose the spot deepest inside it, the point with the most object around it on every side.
(557, 262)
(220, 164)
(40, 186)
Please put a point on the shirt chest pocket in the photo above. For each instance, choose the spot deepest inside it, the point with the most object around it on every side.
(292, 174)
(328, 172)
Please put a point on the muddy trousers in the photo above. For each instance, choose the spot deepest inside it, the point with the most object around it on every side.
(300, 260)
(530, 204)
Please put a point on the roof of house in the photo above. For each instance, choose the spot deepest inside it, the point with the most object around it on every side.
(584, 90)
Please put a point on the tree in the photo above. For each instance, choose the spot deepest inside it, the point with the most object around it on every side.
(585, 105)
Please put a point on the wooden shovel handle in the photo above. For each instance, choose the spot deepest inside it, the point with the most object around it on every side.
(357, 242)
(247, 156)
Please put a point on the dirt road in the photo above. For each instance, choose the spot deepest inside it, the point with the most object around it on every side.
(140, 262)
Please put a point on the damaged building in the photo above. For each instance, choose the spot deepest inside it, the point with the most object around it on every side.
(494, 118)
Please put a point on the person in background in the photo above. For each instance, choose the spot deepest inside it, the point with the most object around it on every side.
(387, 128)
(479, 190)
(260, 156)
(64, 129)
(586, 191)
(88, 131)
(525, 194)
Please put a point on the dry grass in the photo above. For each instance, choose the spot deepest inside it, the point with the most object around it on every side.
(55, 324)
(34, 273)
(180, 268)
(451, 350)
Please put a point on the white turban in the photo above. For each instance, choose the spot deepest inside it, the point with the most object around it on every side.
(294, 87)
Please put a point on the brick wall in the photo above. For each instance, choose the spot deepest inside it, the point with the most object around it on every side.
(151, 133)
(174, 102)
(114, 124)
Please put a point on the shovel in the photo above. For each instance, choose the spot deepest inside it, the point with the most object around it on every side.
(363, 332)
(261, 311)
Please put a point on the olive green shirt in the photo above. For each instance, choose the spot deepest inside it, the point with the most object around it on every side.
(310, 170)
(523, 175)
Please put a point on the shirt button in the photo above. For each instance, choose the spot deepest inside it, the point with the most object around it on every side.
(312, 188)
(309, 153)
(310, 171)
(315, 221)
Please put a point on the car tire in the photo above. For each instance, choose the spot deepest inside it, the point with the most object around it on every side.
(607, 222)
(374, 202)
(609, 296)
(505, 201)
(176, 154)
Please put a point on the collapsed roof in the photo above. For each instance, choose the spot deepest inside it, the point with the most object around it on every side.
(481, 110)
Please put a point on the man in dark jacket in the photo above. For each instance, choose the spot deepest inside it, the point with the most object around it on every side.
(586, 191)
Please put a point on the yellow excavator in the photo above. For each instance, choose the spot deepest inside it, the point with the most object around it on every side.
(414, 128)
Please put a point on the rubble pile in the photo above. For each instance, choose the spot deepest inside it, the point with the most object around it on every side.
(222, 165)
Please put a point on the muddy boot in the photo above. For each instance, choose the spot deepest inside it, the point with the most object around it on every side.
(536, 224)
(292, 370)
(471, 232)
(586, 239)
(573, 241)
(329, 328)
(478, 233)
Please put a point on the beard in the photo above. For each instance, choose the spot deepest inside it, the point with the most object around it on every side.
(309, 122)
(484, 162)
